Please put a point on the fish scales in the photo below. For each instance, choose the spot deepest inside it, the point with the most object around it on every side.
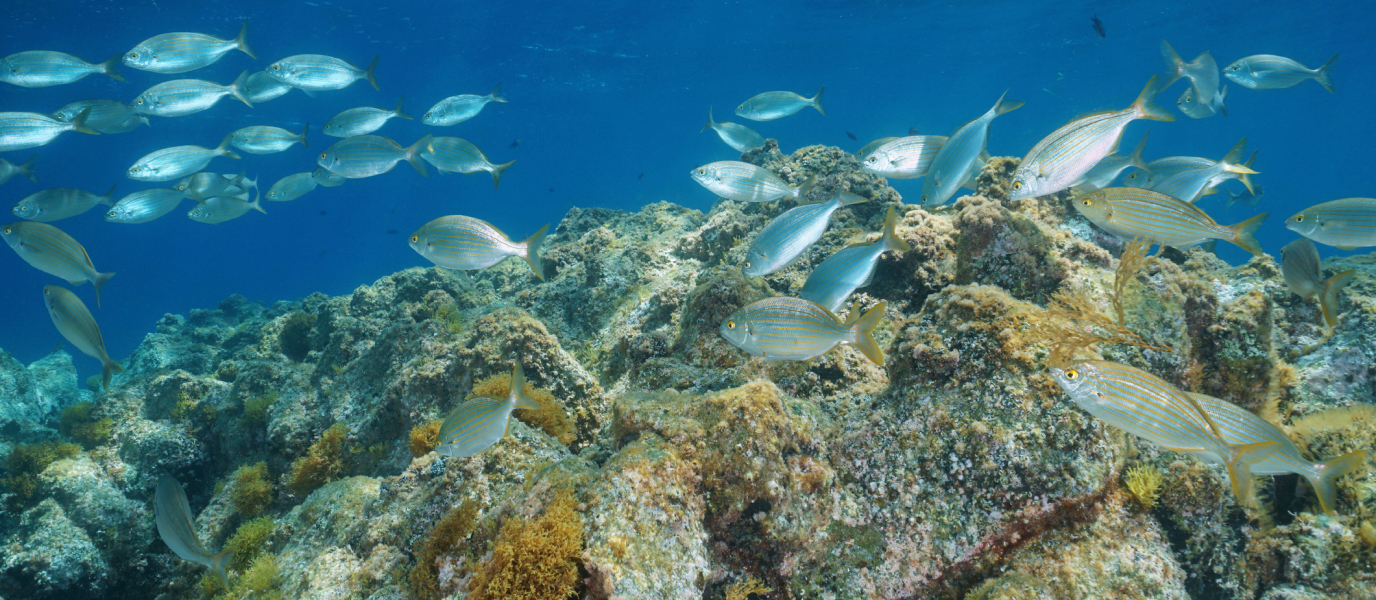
(457, 109)
(478, 423)
(1268, 71)
(744, 182)
(183, 97)
(368, 155)
(21, 130)
(144, 206)
(960, 155)
(456, 155)
(52, 251)
(363, 120)
(465, 243)
(317, 72)
(59, 203)
(795, 329)
(180, 52)
(43, 68)
(907, 157)
(176, 162)
(1348, 223)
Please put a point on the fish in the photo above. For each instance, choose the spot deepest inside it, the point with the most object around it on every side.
(75, 323)
(1060, 159)
(181, 97)
(318, 73)
(179, 533)
(363, 120)
(1103, 174)
(744, 182)
(957, 157)
(869, 148)
(1349, 223)
(292, 187)
(911, 157)
(171, 53)
(852, 268)
(129, 124)
(514, 144)
(914, 131)
(221, 209)
(9, 169)
(52, 251)
(851, 136)
(1148, 407)
(1240, 427)
(774, 105)
(21, 130)
(324, 177)
(106, 116)
(1098, 26)
(1269, 72)
(43, 68)
(786, 237)
(1250, 198)
(1202, 71)
(261, 87)
(59, 203)
(784, 328)
(368, 155)
(177, 162)
(739, 137)
(1189, 178)
(203, 186)
(638, 177)
(465, 244)
(1302, 270)
(144, 205)
(457, 109)
(1192, 103)
(455, 155)
(478, 423)
(262, 139)
(238, 184)
(1130, 213)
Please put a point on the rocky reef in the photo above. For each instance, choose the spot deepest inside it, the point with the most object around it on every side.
(683, 468)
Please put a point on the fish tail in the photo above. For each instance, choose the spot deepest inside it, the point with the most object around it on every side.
(817, 100)
(1328, 295)
(223, 148)
(847, 198)
(1243, 234)
(401, 112)
(891, 240)
(862, 332)
(306, 129)
(371, 72)
(496, 94)
(1325, 74)
(1005, 106)
(1222, 96)
(257, 203)
(220, 562)
(1246, 178)
(710, 121)
(1240, 467)
(79, 123)
(237, 88)
(111, 67)
(518, 389)
(1136, 159)
(413, 154)
(99, 282)
(497, 171)
(108, 195)
(1325, 485)
(1146, 108)
(533, 251)
(1174, 64)
(27, 168)
(1234, 155)
(242, 41)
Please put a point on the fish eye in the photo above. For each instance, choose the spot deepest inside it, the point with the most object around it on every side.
(322, 155)
(1072, 374)
(1299, 218)
(1088, 203)
(133, 169)
(277, 67)
(747, 264)
(415, 238)
(702, 171)
(1187, 99)
(139, 101)
(8, 230)
(1017, 185)
(1132, 176)
(730, 324)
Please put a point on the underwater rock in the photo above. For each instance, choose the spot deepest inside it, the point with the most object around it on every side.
(34, 396)
(121, 526)
(49, 556)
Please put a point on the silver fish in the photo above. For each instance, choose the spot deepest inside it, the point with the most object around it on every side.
(869, 148)
(368, 155)
(105, 114)
(739, 137)
(262, 139)
(480, 422)
(744, 182)
(1130, 213)
(317, 72)
(238, 185)
(1202, 71)
(59, 203)
(129, 124)
(363, 120)
(852, 268)
(324, 177)
(954, 162)
(1189, 178)
(221, 209)
(785, 238)
(1268, 72)
(261, 87)
(181, 52)
(1349, 223)
(773, 105)
(464, 244)
(292, 187)
(1196, 106)
(52, 251)
(144, 205)
(9, 169)
(1250, 198)
(179, 533)
(795, 329)
(1103, 174)
(187, 96)
(42, 68)
(20, 130)
(455, 155)
(1303, 275)
(457, 109)
(906, 157)
(177, 162)
(204, 186)
(75, 323)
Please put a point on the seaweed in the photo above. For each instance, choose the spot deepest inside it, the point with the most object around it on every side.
(425, 437)
(256, 408)
(248, 541)
(322, 463)
(78, 423)
(533, 560)
(1144, 483)
(448, 533)
(24, 464)
(295, 338)
(743, 589)
(252, 490)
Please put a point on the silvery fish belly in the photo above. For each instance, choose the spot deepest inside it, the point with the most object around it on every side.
(785, 238)
(457, 109)
(174, 163)
(292, 187)
(144, 206)
(455, 155)
(743, 182)
(42, 68)
(262, 139)
(831, 282)
(52, 251)
(186, 96)
(261, 87)
(795, 329)
(463, 243)
(56, 204)
(1130, 213)
(1348, 223)
(1268, 71)
(774, 105)
(959, 156)
(317, 72)
(20, 130)
(739, 137)
(362, 156)
(362, 120)
(181, 52)
(905, 157)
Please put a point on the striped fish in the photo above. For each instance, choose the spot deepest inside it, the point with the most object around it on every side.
(9, 169)
(1190, 178)
(75, 323)
(42, 68)
(842, 273)
(323, 176)
(869, 148)
(222, 208)
(959, 156)
(455, 155)
(464, 244)
(1131, 213)
(182, 97)
(1300, 265)
(181, 52)
(795, 329)
(129, 124)
(457, 109)
(20, 130)
(1349, 223)
(739, 137)
(1239, 427)
(1202, 71)
(744, 182)
(59, 203)
(318, 73)
(52, 251)
(1193, 103)
(203, 186)
(177, 531)
(292, 187)
(773, 105)
(906, 157)
(784, 240)
(1061, 158)
(363, 120)
(177, 162)
(1268, 72)
(368, 155)
(261, 87)
(262, 139)
(144, 206)
(1148, 407)
(478, 423)
(106, 115)
(1103, 174)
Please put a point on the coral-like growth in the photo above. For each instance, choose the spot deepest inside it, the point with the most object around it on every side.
(742, 590)
(550, 417)
(322, 463)
(535, 559)
(448, 533)
(1144, 483)
(256, 408)
(24, 464)
(248, 541)
(295, 339)
(78, 424)
(252, 491)
(425, 437)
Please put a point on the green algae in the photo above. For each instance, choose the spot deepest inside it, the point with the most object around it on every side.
(252, 491)
(78, 423)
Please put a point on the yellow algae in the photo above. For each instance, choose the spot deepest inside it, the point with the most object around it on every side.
(321, 464)
(1144, 483)
(550, 417)
(425, 437)
(535, 559)
(449, 532)
(248, 540)
(77, 423)
(252, 491)
(741, 590)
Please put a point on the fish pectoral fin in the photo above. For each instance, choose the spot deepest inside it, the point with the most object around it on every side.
(76, 281)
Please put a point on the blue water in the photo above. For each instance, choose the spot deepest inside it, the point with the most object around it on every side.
(603, 92)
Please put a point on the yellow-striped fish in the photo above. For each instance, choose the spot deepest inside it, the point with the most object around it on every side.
(960, 155)
(261, 87)
(317, 72)
(74, 322)
(52, 251)
(869, 148)
(177, 162)
(464, 244)
(363, 120)
(1190, 178)
(20, 130)
(1349, 223)
(796, 329)
(1103, 174)
(292, 187)
(1068, 153)
(1130, 213)
(42, 68)
(1148, 407)
(107, 116)
(773, 105)
(739, 137)
(456, 155)
(1239, 427)
(144, 205)
(182, 97)
(457, 109)
(842, 273)
(181, 52)
(1300, 265)
(744, 182)
(179, 533)
(786, 237)
(906, 157)
(324, 177)
(262, 139)
(1268, 72)
(368, 155)
(480, 422)
(9, 169)
(59, 203)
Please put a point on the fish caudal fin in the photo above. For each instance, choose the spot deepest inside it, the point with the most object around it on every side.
(847, 198)
(399, 112)
(891, 240)
(237, 88)
(807, 185)
(518, 389)
(27, 168)
(1325, 485)
(1146, 109)
(533, 251)
(109, 195)
(371, 72)
(111, 67)
(862, 334)
(413, 154)
(107, 371)
(1328, 295)
(257, 203)
(242, 41)
(1240, 467)
(1136, 159)
(1175, 66)
(1234, 156)
(1325, 74)
(306, 129)
(496, 94)
(710, 121)
(1243, 234)
(1005, 106)
(79, 123)
(223, 148)
(817, 100)
(497, 171)
(99, 282)
(219, 563)
(1222, 97)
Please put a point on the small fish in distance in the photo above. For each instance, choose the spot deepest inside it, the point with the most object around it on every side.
(1098, 26)
(739, 137)
(1269, 72)
(457, 109)
(9, 169)
(363, 120)
(774, 105)
(851, 136)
